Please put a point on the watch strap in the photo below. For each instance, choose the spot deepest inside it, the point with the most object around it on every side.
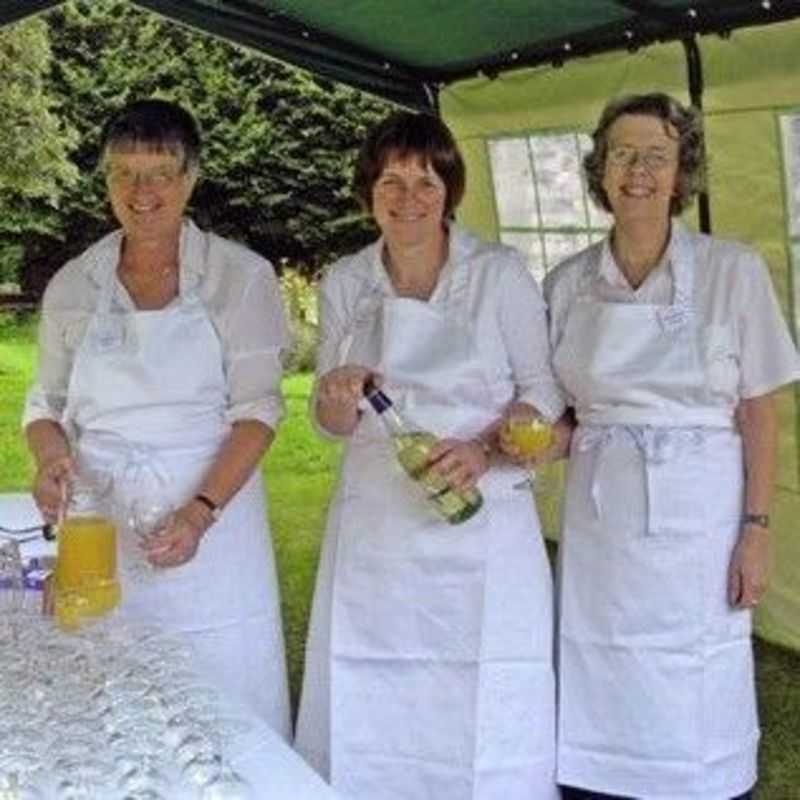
(209, 504)
(762, 520)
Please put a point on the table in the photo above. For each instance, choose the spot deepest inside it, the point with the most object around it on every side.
(17, 510)
(271, 767)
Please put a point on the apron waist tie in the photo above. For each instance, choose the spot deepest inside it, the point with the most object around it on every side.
(656, 446)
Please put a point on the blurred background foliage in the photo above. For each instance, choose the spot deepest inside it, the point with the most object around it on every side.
(279, 142)
(300, 301)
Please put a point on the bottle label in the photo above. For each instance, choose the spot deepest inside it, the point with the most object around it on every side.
(378, 400)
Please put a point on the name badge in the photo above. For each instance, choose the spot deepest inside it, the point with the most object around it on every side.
(109, 334)
(673, 318)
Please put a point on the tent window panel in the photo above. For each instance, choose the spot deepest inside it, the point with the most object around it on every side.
(796, 285)
(790, 136)
(558, 175)
(530, 245)
(598, 217)
(543, 207)
(514, 190)
(791, 148)
(558, 246)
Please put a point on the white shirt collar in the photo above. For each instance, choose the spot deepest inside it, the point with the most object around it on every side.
(462, 243)
(610, 272)
(102, 258)
(678, 257)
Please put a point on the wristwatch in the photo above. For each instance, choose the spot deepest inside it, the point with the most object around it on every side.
(762, 520)
(205, 500)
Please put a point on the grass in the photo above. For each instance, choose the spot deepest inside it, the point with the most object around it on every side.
(17, 363)
(300, 471)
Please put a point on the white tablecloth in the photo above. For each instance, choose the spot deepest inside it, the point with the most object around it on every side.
(271, 767)
(19, 511)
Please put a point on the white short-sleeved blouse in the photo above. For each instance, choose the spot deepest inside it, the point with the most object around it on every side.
(238, 289)
(504, 304)
(733, 300)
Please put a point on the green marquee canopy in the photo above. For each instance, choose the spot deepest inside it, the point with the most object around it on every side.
(405, 50)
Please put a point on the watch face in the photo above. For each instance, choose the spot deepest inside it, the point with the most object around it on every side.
(761, 520)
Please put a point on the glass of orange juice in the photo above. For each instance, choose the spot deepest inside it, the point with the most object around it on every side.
(525, 435)
(86, 564)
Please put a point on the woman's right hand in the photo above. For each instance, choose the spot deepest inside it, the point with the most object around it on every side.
(344, 386)
(339, 392)
(51, 484)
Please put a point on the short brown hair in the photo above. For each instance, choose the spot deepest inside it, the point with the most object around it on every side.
(691, 150)
(159, 125)
(405, 134)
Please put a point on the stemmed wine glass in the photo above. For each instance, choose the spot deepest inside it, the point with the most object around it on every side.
(147, 514)
(206, 738)
(525, 435)
(227, 783)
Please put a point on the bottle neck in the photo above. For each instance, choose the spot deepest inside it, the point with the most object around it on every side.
(382, 405)
(394, 423)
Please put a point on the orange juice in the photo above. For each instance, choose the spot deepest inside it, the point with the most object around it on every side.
(87, 562)
(530, 436)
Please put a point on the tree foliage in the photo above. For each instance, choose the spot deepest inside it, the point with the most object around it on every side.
(33, 141)
(33, 144)
(279, 143)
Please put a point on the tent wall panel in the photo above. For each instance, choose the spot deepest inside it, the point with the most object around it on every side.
(567, 97)
(755, 68)
(478, 204)
(750, 78)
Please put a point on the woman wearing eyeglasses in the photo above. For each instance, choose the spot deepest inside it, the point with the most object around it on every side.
(670, 346)
(159, 363)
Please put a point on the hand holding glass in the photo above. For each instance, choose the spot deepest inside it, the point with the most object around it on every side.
(147, 517)
(523, 436)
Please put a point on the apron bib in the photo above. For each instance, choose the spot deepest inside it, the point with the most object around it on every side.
(439, 660)
(656, 686)
(146, 402)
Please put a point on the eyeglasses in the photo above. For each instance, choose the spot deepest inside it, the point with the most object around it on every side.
(625, 156)
(159, 177)
(426, 190)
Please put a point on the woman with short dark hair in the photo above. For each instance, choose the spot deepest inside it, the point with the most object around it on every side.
(159, 363)
(669, 346)
(428, 666)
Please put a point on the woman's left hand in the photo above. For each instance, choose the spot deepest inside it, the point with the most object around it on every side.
(748, 573)
(460, 462)
(561, 433)
(177, 542)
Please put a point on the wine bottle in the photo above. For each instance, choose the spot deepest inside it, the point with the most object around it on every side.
(412, 447)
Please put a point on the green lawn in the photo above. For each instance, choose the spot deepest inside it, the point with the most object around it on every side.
(300, 472)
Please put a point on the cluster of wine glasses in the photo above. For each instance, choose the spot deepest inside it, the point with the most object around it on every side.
(14, 600)
(112, 711)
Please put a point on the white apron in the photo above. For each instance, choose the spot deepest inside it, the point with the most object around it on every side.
(428, 671)
(656, 685)
(146, 397)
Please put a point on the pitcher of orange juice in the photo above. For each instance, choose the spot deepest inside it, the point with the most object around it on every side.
(86, 565)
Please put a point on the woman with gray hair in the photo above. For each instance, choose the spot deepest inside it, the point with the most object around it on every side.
(669, 346)
(159, 364)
